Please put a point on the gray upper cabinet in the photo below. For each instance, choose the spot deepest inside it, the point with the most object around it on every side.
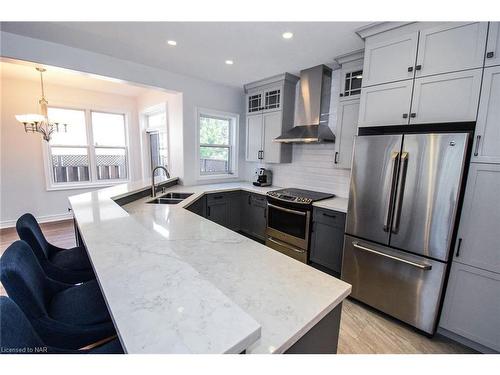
(451, 47)
(390, 60)
(254, 137)
(446, 97)
(270, 108)
(347, 124)
(487, 135)
(387, 104)
(472, 305)
(442, 82)
(477, 243)
(493, 45)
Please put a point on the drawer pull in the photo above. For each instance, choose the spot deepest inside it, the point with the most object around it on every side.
(418, 67)
(490, 55)
(424, 267)
(410, 69)
(329, 215)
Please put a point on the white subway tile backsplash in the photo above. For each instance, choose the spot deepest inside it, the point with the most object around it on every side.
(311, 168)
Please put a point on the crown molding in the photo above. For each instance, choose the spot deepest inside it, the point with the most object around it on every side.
(378, 27)
(350, 57)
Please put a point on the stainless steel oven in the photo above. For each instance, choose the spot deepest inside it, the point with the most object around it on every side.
(289, 220)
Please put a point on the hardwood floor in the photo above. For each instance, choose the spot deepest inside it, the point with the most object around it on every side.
(362, 330)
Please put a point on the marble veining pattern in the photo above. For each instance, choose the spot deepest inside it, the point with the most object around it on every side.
(178, 283)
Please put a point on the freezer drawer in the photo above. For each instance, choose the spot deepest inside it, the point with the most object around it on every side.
(405, 286)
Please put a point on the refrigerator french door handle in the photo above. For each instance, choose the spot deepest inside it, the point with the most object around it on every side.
(400, 192)
(424, 267)
(392, 190)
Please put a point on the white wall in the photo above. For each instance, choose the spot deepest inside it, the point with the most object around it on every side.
(195, 92)
(312, 165)
(23, 187)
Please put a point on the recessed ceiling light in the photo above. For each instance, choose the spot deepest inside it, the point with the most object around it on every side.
(287, 35)
(229, 62)
(171, 42)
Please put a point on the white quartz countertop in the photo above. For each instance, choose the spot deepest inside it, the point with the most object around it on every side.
(176, 282)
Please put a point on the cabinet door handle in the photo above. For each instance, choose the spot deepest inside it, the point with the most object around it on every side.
(458, 247)
(476, 150)
(336, 159)
(410, 69)
(418, 67)
(413, 115)
(405, 115)
(329, 215)
(208, 211)
(248, 198)
(490, 55)
(262, 154)
(219, 197)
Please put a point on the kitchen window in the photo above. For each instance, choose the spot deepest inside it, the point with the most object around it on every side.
(93, 151)
(156, 128)
(217, 144)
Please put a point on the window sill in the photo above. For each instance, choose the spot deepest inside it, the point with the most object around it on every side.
(205, 177)
(85, 186)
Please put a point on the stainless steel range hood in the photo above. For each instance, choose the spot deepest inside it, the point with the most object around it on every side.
(313, 108)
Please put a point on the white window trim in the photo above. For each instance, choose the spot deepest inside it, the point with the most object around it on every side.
(49, 181)
(235, 119)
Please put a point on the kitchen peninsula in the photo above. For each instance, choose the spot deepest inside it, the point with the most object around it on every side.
(175, 282)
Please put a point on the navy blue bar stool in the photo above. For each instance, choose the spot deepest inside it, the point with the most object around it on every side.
(66, 265)
(63, 315)
(17, 335)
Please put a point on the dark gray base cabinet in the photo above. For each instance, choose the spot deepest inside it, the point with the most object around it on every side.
(224, 209)
(199, 207)
(253, 215)
(327, 239)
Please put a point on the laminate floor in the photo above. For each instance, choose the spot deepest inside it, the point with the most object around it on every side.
(362, 330)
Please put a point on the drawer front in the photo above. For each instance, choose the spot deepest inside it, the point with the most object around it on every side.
(406, 286)
(218, 197)
(329, 217)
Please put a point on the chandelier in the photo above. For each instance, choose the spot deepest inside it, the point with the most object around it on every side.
(40, 123)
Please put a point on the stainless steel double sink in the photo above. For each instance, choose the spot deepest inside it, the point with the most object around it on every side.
(170, 198)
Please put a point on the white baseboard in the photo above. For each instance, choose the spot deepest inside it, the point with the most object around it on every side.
(40, 219)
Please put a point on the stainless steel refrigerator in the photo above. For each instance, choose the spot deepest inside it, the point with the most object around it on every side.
(403, 202)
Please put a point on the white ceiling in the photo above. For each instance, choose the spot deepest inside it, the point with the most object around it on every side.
(257, 48)
(68, 78)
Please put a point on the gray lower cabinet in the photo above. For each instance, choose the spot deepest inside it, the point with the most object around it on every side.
(327, 239)
(472, 305)
(253, 215)
(224, 209)
(199, 206)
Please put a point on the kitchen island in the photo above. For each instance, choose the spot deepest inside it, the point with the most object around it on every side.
(175, 282)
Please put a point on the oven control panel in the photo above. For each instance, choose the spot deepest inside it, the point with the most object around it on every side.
(289, 198)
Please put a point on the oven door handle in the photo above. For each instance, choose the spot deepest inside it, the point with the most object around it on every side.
(424, 267)
(295, 212)
(284, 244)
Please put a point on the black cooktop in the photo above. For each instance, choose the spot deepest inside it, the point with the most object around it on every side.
(299, 195)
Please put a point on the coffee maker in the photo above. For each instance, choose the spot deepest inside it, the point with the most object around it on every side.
(262, 177)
